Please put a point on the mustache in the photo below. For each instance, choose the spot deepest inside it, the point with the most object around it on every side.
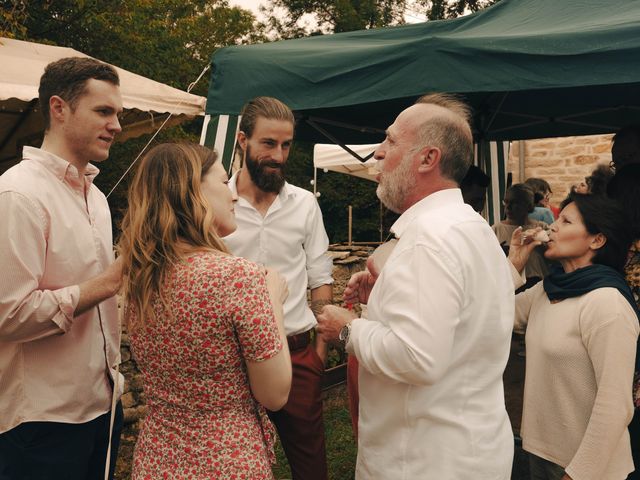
(272, 165)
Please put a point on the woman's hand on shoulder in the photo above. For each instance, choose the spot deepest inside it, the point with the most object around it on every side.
(277, 285)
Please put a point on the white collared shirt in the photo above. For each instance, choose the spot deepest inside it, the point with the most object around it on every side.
(54, 365)
(291, 239)
(433, 349)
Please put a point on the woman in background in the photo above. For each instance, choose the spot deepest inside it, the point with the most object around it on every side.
(205, 327)
(582, 329)
(518, 204)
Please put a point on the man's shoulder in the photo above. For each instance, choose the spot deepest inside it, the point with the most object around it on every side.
(26, 178)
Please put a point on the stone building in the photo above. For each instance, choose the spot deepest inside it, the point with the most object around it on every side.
(562, 162)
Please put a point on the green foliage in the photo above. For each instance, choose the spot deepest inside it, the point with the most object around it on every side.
(283, 16)
(442, 9)
(334, 15)
(170, 41)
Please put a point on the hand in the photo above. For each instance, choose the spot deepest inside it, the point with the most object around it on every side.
(360, 284)
(277, 286)
(331, 320)
(112, 276)
(521, 246)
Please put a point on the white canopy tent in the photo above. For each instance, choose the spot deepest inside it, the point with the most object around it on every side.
(337, 159)
(147, 103)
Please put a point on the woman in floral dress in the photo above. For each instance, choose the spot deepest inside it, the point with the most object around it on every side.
(205, 327)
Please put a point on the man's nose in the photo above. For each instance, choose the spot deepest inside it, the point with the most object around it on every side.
(114, 126)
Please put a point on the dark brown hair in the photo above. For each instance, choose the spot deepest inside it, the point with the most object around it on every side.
(265, 107)
(67, 79)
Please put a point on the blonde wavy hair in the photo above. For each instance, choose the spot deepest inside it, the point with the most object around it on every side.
(168, 217)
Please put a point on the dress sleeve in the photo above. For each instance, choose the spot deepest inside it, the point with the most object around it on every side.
(253, 317)
(27, 312)
(609, 332)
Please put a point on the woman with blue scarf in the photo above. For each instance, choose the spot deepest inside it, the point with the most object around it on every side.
(581, 338)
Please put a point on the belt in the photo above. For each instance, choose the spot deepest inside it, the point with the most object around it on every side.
(299, 341)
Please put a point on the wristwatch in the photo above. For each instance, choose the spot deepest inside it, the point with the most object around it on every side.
(343, 336)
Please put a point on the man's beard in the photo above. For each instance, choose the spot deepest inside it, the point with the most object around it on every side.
(395, 185)
(266, 181)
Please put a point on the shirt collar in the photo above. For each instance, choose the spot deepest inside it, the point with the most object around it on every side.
(430, 202)
(61, 168)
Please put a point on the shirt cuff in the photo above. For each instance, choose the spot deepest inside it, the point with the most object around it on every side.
(67, 299)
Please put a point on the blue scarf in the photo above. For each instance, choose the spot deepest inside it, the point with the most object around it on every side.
(559, 285)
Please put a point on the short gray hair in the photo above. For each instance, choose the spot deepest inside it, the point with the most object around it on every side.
(452, 134)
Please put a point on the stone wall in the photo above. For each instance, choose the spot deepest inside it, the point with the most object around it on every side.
(346, 261)
(562, 162)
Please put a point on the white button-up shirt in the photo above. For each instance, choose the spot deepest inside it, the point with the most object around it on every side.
(291, 239)
(433, 349)
(54, 365)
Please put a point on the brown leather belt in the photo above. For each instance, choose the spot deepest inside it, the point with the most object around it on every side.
(299, 341)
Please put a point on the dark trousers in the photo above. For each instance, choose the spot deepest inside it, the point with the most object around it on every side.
(60, 451)
(299, 423)
(541, 469)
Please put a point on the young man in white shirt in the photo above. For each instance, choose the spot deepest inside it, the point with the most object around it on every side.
(59, 331)
(435, 342)
(280, 226)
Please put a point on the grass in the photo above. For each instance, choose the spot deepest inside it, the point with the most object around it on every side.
(340, 443)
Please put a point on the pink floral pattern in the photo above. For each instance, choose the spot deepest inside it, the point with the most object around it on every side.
(202, 420)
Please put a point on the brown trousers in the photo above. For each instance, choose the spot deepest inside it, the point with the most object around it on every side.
(299, 423)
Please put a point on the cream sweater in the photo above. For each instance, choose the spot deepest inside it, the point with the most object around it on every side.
(579, 371)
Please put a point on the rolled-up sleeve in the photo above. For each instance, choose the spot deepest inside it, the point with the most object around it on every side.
(421, 301)
(316, 244)
(28, 312)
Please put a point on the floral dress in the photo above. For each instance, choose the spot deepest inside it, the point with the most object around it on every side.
(202, 420)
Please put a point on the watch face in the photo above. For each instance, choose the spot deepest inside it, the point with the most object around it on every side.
(343, 336)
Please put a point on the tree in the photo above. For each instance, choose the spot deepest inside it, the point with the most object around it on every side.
(170, 41)
(441, 9)
(333, 15)
(283, 16)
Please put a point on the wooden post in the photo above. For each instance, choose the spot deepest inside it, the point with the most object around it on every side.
(350, 222)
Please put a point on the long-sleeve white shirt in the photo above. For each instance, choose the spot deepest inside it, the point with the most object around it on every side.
(55, 233)
(433, 349)
(291, 239)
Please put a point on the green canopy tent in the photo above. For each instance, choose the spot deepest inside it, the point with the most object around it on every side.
(529, 69)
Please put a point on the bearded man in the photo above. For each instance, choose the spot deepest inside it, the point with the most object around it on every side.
(434, 344)
(280, 226)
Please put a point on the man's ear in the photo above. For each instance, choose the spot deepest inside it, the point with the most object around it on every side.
(429, 159)
(57, 108)
(241, 139)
